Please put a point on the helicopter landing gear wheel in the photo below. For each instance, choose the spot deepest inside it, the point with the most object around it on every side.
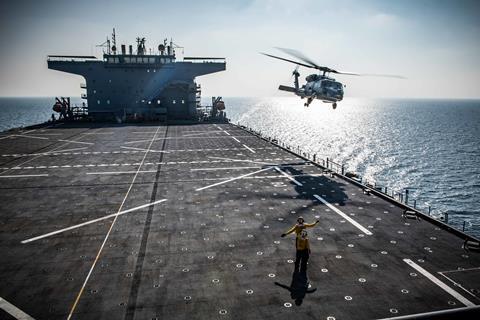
(309, 100)
(334, 105)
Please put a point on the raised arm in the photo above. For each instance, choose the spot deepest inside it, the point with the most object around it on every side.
(292, 229)
(309, 225)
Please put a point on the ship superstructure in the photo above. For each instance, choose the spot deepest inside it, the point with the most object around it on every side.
(141, 84)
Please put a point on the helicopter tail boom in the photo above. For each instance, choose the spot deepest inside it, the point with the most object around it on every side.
(287, 88)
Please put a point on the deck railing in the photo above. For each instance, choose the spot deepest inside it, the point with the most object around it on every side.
(400, 195)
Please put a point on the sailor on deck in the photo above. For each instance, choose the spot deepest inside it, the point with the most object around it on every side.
(301, 243)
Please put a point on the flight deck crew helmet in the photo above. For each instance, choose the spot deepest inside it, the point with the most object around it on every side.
(300, 220)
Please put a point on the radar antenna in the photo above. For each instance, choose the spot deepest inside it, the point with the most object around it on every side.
(114, 42)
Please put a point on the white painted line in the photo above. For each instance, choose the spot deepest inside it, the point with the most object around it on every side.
(143, 149)
(240, 160)
(48, 134)
(138, 141)
(65, 150)
(25, 136)
(31, 159)
(230, 180)
(251, 150)
(145, 132)
(91, 221)
(71, 141)
(461, 270)
(79, 295)
(230, 168)
(226, 132)
(199, 133)
(13, 311)
(343, 215)
(456, 284)
(439, 283)
(288, 176)
(25, 176)
(120, 172)
(6, 137)
(235, 139)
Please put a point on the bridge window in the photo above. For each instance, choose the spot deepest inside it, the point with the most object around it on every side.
(98, 101)
(183, 101)
(173, 101)
(108, 101)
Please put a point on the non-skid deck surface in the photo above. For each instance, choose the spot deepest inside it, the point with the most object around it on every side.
(201, 210)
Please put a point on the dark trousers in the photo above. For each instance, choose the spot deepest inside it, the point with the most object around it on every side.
(301, 260)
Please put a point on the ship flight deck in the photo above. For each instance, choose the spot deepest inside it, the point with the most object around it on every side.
(104, 221)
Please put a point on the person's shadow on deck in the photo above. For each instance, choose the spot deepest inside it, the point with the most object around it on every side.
(299, 286)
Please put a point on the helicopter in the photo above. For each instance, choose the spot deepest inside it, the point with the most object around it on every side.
(319, 86)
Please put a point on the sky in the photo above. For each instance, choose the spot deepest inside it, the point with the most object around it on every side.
(434, 43)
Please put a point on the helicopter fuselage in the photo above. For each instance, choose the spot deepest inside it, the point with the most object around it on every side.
(322, 88)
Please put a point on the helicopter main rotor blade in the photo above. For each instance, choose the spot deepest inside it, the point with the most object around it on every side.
(301, 56)
(291, 61)
(384, 75)
(369, 74)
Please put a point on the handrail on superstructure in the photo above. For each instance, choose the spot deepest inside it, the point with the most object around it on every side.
(70, 58)
(205, 59)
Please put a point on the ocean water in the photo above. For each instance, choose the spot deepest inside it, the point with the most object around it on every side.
(431, 147)
(21, 112)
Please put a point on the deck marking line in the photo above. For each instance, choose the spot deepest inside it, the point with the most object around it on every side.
(226, 132)
(235, 139)
(13, 311)
(232, 179)
(25, 175)
(199, 133)
(228, 168)
(458, 285)
(241, 160)
(288, 176)
(439, 283)
(343, 215)
(250, 149)
(72, 141)
(143, 149)
(119, 172)
(90, 222)
(25, 136)
(77, 299)
(59, 151)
